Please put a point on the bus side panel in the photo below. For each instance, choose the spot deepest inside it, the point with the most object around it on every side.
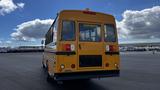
(50, 62)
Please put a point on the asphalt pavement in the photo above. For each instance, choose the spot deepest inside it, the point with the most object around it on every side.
(23, 71)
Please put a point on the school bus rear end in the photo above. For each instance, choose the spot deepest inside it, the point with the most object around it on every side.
(86, 47)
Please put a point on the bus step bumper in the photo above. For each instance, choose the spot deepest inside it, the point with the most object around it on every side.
(86, 75)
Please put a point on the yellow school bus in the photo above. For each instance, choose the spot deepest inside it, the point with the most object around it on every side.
(81, 44)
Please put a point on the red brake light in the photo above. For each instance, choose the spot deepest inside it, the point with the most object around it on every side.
(67, 47)
(112, 48)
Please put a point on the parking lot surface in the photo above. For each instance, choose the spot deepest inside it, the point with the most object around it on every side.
(23, 71)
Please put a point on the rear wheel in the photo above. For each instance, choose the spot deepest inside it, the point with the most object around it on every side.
(49, 78)
(43, 62)
(43, 65)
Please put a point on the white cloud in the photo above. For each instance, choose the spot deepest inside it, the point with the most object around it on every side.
(0, 42)
(20, 5)
(122, 31)
(31, 30)
(7, 6)
(8, 42)
(144, 24)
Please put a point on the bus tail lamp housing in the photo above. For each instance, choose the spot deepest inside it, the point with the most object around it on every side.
(110, 48)
(69, 47)
(72, 47)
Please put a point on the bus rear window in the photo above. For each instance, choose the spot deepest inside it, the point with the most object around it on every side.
(90, 32)
(68, 31)
(110, 33)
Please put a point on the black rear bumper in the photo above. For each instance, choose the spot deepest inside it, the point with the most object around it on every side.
(86, 75)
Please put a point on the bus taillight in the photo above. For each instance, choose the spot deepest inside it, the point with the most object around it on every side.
(72, 47)
(107, 48)
(69, 47)
(110, 48)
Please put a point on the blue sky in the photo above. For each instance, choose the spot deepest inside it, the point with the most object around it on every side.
(47, 9)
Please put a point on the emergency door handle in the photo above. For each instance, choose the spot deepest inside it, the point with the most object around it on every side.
(79, 46)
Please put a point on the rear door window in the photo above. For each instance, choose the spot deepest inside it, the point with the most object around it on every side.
(90, 32)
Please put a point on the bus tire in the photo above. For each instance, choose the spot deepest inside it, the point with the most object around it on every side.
(43, 66)
(49, 78)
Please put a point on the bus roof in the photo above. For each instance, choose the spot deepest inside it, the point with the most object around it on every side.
(86, 15)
